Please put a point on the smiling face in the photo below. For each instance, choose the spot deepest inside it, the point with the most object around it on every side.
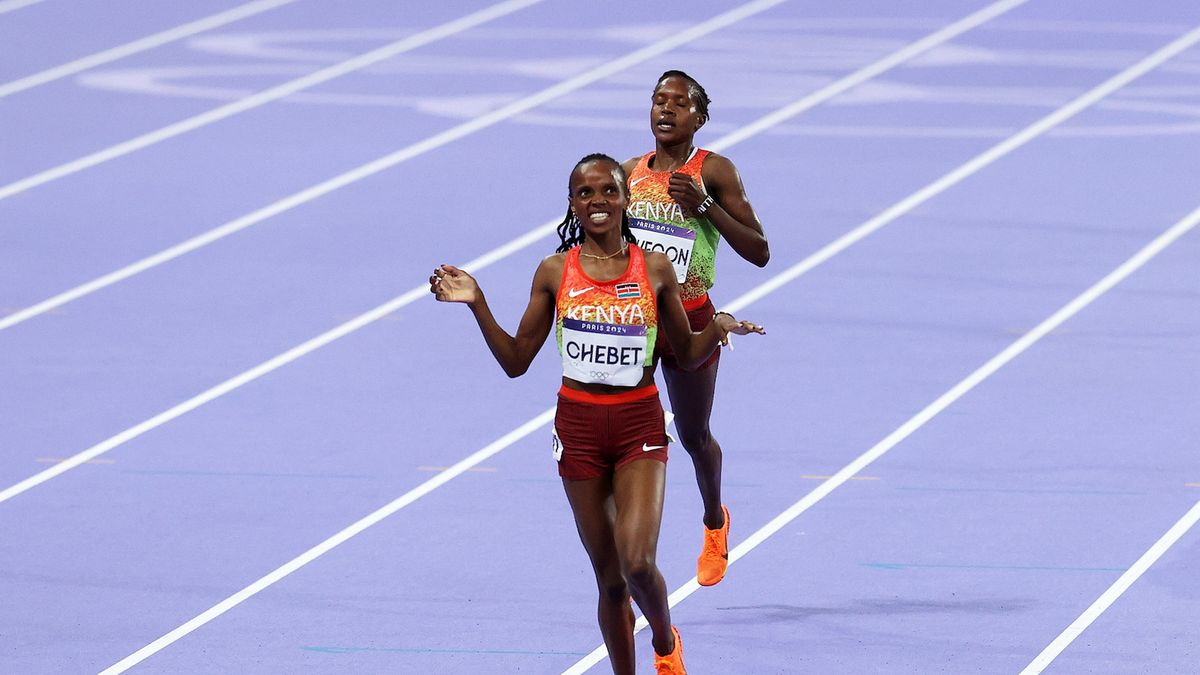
(674, 117)
(598, 196)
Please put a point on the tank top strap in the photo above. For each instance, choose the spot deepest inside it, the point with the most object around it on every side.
(695, 163)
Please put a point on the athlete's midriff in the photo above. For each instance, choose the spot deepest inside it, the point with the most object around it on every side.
(660, 224)
(606, 329)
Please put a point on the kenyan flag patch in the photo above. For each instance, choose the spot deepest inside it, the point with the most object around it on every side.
(626, 291)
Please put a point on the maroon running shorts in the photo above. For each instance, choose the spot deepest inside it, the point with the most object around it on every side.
(596, 434)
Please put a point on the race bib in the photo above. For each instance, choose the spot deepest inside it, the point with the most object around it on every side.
(671, 240)
(603, 353)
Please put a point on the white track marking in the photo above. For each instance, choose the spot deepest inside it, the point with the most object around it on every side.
(10, 5)
(140, 45)
(930, 411)
(332, 542)
(1115, 591)
(892, 60)
(266, 96)
(412, 295)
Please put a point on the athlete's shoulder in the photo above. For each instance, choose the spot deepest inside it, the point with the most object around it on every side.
(630, 164)
(719, 169)
(716, 160)
(553, 262)
(549, 271)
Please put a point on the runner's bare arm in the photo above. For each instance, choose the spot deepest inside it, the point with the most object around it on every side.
(691, 349)
(730, 212)
(513, 353)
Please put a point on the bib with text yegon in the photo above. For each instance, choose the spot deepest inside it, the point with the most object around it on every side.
(673, 241)
(603, 353)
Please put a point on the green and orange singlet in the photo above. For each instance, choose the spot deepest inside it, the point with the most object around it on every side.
(660, 224)
(606, 329)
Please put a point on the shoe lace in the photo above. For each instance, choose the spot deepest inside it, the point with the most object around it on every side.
(712, 550)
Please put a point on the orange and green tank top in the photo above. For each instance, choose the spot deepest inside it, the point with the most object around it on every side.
(606, 329)
(660, 224)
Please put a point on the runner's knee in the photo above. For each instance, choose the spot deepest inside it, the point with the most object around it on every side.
(614, 591)
(640, 570)
(695, 440)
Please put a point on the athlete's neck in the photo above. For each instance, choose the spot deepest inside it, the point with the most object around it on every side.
(609, 244)
(671, 157)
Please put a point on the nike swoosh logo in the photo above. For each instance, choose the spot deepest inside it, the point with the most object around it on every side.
(635, 182)
(575, 293)
(647, 448)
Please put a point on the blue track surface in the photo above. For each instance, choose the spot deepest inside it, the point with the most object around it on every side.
(968, 547)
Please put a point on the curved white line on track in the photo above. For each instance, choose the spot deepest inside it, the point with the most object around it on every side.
(1122, 584)
(140, 45)
(11, 5)
(266, 96)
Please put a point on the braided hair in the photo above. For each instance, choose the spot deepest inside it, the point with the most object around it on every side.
(695, 91)
(570, 230)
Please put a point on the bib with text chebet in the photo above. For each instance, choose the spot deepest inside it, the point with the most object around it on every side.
(606, 329)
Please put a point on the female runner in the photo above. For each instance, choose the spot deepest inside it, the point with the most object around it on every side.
(606, 301)
(683, 201)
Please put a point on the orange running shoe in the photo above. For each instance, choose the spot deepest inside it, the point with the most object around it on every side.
(714, 557)
(671, 664)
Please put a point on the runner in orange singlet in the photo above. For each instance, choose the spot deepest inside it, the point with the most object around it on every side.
(608, 302)
(683, 201)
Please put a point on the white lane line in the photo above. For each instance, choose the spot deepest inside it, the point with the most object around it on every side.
(412, 295)
(330, 543)
(930, 411)
(758, 126)
(266, 96)
(140, 45)
(1122, 584)
(10, 5)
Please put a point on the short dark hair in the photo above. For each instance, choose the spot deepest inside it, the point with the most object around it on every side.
(695, 90)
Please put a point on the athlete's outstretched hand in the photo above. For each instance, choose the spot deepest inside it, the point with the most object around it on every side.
(450, 284)
(730, 325)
